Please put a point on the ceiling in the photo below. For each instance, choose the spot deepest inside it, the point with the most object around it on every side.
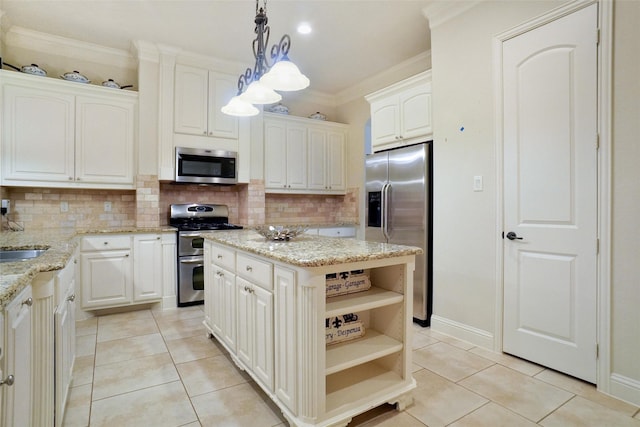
(351, 39)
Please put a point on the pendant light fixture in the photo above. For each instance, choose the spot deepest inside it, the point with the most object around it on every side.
(258, 86)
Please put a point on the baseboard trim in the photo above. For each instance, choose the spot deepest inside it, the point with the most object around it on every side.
(169, 302)
(625, 388)
(461, 331)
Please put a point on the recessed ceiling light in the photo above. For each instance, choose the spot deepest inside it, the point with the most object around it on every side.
(304, 28)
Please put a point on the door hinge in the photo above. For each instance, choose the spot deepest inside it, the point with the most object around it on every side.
(597, 141)
(597, 246)
(598, 37)
(597, 351)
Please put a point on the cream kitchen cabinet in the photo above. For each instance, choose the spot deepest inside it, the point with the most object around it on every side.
(17, 380)
(304, 156)
(64, 134)
(118, 270)
(198, 97)
(401, 113)
(220, 284)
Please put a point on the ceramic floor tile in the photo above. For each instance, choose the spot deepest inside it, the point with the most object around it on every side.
(187, 349)
(210, 374)
(180, 313)
(391, 418)
(83, 370)
(448, 339)
(122, 377)
(126, 316)
(238, 406)
(114, 330)
(415, 367)
(129, 348)
(449, 361)
(163, 405)
(439, 402)
(421, 340)
(493, 415)
(181, 328)
(85, 345)
(529, 397)
(509, 361)
(78, 406)
(87, 326)
(580, 412)
(586, 390)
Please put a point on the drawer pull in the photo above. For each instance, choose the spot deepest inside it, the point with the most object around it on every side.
(248, 268)
(71, 297)
(8, 381)
(219, 256)
(28, 302)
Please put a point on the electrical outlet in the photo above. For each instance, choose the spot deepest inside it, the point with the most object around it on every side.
(64, 206)
(477, 183)
(107, 206)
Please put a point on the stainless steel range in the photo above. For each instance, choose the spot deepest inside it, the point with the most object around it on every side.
(192, 221)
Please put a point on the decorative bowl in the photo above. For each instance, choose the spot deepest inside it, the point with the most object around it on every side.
(278, 108)
(34, 70)
(75, 76)
(318, 116)
(280, 232)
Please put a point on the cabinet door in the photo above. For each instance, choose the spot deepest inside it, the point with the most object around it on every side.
(65, 337)
(215, 306)
(296, 165)
(18, 354)
(228, 283)
(222, 87)
(317, 159)
(245, 321)
(275, 155)
(285, 339)
(191, 94)
(106, 278)
(38, 136)
(263, 336)
(336, 167)
(415, 105)
(385, 121)
(105, 132)
(147, 268)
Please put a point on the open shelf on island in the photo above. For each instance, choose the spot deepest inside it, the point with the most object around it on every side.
(360, 301)
(348, 354)
(360, 382)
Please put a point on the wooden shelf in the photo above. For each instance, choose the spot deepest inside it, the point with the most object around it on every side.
(348, 354)
(359, 301)
(348, 387)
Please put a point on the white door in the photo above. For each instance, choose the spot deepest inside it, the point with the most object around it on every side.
(550, 183)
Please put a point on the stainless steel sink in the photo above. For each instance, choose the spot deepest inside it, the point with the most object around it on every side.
(11, 255)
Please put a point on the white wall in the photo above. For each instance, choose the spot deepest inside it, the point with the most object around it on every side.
(465, 229)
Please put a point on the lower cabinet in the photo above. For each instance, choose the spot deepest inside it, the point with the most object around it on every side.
(119, 270)
(17, 382)
(65, 337)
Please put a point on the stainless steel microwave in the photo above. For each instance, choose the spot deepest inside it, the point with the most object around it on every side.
(203, 166)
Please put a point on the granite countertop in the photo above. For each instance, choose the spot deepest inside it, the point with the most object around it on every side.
(311, 251)
(60, 245)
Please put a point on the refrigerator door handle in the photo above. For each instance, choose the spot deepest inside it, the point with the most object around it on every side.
(385, 210)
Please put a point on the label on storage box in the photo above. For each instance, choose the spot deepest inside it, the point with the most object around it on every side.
(347, 282)
(343, 328)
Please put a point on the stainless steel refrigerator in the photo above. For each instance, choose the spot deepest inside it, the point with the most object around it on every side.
(399, 210)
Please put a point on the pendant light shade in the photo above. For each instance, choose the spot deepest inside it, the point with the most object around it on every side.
(240, 108)
(285, 76)
(258, 93)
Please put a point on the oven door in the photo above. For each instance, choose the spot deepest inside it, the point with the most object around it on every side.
(190, 280)
(190, 243)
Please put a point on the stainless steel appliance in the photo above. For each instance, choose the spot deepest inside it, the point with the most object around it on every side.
(399, 210)
(192, 221)
(195, 165)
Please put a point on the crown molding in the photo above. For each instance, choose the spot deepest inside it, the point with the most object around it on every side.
(145, 51)
(24, 38)
(439, 11)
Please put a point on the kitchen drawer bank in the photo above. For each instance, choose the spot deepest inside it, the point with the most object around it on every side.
(266, 303)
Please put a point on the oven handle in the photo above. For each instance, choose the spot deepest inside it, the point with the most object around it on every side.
(190, 235)
(194, 261)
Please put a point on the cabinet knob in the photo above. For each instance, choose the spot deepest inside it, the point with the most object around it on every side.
(210, 133)
(28, 302)
(126, 255)
(71, 297)
(158, 238)
(8, 381)
(204, 132)
(106, 243)
(248, 268)
(78, 179)
(70, 178)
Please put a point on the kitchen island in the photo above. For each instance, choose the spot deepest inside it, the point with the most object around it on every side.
(266, 302)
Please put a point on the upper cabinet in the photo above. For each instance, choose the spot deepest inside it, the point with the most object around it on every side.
(401, 113)
(303, 155)
(64, 134)
(199, 96)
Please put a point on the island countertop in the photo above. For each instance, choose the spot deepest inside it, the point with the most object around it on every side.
(311, 251)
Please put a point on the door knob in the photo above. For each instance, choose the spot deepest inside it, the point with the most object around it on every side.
(513, 236)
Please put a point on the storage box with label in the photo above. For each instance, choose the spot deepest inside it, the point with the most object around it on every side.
(347, 282)
(343, 328)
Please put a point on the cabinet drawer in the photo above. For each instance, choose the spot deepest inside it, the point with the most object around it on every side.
(224, 258)
(101, 243)
(338, 232)
(255, 271)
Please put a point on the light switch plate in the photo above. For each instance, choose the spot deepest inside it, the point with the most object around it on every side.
(64, 206)
(107, 206)
(477, 183)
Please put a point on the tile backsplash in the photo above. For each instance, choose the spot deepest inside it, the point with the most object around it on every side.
(148, 205)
